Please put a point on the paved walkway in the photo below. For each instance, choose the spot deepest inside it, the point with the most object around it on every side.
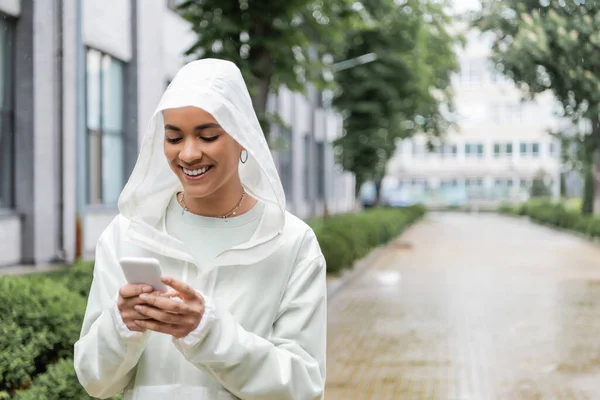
(481, 307)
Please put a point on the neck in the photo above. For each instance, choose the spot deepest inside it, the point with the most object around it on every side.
(219, 203)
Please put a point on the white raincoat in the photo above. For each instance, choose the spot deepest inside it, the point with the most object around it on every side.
(263, 334)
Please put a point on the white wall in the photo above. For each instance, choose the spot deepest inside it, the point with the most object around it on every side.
(94, 225)
(176, 39)
(11, 7)
(151, 74)
(300, 128)
(10, 240)
(46, 205)
(163, 36)
(69, 121)
(107, 26)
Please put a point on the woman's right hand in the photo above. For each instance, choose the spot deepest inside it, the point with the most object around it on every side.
(129, 298)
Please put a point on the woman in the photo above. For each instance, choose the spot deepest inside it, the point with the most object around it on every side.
(246, 315)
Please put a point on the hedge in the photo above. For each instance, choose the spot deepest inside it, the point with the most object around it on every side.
(41, 314)
(347, 238)
(557, 214)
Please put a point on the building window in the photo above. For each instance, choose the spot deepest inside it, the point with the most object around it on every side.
(474, 182)
(535, 149)
(105, 127)
(449, 150)
(503, 183)
(449, 183)
(7, 167)
(509, 149)
(523, 149)
(502, 150)
(307, 166)
(552, 149)
(474, 150)
(530, 149)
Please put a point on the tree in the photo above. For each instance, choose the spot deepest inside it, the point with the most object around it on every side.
(552, 45)
(274, 43)
(404, 91)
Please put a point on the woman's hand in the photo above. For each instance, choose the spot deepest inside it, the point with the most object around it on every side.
(176, 314)
(128, 299)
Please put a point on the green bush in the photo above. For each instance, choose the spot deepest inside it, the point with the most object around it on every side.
(41, 321)
(349, 237)
(566, 216)
(510, 209)
(79, 278)
(58, 382)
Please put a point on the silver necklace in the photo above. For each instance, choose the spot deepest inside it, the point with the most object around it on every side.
(229, 214)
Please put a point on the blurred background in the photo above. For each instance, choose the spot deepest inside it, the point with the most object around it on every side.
(381, 102)
(475, 111)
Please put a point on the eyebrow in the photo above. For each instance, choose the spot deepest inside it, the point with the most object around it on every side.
(169, 127)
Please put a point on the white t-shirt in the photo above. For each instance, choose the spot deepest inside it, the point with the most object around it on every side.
(207, 237)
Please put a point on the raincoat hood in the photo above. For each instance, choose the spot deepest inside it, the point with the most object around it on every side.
(216, 86)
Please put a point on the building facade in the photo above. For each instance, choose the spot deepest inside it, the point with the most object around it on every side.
(80, 80)
(497, 147)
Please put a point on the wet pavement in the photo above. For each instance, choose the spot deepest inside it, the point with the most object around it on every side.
(470, 307)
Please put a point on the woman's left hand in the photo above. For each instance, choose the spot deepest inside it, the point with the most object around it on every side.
(172, 316)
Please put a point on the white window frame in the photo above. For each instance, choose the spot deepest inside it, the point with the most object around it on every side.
(95, 135)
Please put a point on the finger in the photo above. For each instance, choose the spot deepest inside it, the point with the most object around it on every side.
(155, 326)
(131, 290)
(166, 304)
(132, 326)
(129, 303)
(185, 290)
(130, 315)
(159, 315)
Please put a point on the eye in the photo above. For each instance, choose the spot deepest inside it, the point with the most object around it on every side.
(210, 139)
(173, 140)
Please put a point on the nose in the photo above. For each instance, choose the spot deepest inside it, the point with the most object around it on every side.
(191, 151)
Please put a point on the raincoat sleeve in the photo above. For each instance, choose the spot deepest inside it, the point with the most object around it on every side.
(290, 363)
(107, 352)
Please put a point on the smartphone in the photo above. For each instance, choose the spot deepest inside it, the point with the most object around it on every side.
(144, 270)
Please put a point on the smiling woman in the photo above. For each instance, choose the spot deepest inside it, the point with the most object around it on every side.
(246, 314)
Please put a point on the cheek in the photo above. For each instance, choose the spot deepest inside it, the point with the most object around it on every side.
(170, 153)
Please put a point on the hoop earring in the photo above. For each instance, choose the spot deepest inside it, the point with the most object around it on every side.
(243, 161)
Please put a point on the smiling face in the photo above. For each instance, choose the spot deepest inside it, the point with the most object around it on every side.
(202, 155)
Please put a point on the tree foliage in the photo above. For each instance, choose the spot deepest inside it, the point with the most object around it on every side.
(404, 91)
(552, 45)
(274, 43)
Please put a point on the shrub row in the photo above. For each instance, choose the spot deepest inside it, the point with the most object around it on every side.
(558, 215)
(41, 315)
(40, 320)
(349, 237)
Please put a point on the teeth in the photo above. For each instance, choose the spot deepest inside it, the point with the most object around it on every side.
(195, 172)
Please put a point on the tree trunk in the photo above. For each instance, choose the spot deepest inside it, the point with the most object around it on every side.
(587, 204)
(596, 180)
(260, 97)
(595, 166)
(378, 182)
(357, 185)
